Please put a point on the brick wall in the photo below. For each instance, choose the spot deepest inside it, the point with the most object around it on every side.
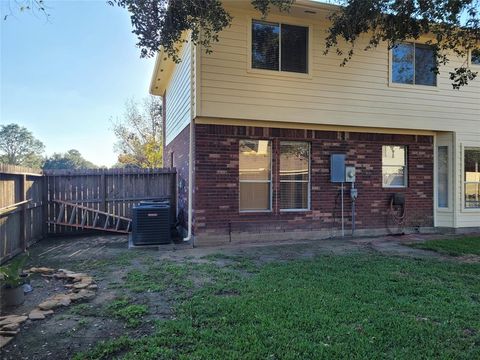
(175, 154)
(217, 184)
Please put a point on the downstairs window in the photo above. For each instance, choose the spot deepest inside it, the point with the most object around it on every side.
(294, 175)
(394, 166)
(255, 162)
(472, 178)
(442, 175)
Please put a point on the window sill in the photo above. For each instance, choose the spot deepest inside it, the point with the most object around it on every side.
(395, 187)
(275, 74)
(284, 211)
(250, 212)
(470, 210)
(444, 209)
(413, 87)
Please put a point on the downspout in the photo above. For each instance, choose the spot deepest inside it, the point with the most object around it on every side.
(190, 183)
(191, 161)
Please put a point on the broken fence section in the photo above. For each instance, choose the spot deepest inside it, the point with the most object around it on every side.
(31, 200)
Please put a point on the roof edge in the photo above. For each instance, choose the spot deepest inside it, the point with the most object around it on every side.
(164, 67)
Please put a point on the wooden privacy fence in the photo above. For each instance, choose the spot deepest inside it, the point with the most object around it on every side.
(37, 196)
(114, 191)
(21, 209)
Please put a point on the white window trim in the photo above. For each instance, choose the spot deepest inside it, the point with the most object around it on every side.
(275, 73)
(258, 181)
(309, 205)
(405, 172)
(464, 208)
(392, 84)
(470, 64)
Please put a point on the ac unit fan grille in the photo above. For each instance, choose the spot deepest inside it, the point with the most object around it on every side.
(151, 225)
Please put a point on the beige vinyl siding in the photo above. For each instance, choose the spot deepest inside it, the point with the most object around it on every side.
(179, 94)
(356, 95)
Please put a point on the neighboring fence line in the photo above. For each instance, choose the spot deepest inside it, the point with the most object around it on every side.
(21, 209)
(112, 190)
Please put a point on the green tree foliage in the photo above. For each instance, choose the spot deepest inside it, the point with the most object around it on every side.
(18, 146)
(139, 134)
(454, 25)
(70, 160)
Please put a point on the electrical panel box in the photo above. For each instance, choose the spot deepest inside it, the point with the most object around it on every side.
(337, 168)
(350, 174)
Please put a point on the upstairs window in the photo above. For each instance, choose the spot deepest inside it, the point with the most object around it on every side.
(394, 166)
(413, 64)
(279, 47)
(475, 57)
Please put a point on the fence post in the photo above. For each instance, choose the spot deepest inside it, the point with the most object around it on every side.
(103, 196)
(23, 216)
(45, 197)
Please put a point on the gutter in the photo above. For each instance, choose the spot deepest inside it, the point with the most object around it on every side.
(191, 161)
(190, 183)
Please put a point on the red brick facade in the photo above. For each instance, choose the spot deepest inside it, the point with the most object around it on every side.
(216, 203)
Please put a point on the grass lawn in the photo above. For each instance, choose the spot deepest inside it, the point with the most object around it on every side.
(355, 306)
(454, 247)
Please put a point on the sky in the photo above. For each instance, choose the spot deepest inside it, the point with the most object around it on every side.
(65, 79)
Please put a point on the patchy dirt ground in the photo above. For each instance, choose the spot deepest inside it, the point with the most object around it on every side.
(137, 288)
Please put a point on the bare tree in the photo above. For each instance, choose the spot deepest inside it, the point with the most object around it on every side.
(139, 134)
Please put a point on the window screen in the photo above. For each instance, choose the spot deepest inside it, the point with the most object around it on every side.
(424, 64)
(394, 169)
(413, 64)
(255, 175)
(294, 48)
(294, 175)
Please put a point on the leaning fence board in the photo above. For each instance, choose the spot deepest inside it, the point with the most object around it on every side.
(78, 218)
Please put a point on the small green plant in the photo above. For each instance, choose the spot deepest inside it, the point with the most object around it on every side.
(83, 310)
(11, 273)
(132, 314)
(82, 323)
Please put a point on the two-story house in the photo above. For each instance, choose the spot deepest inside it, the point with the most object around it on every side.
(252, 126)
